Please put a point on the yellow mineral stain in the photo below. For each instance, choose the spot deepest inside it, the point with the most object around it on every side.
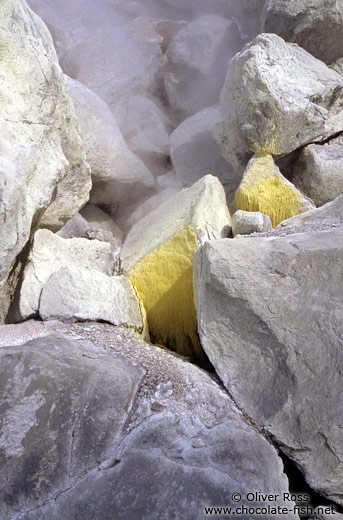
(262, 189)
(164, 281)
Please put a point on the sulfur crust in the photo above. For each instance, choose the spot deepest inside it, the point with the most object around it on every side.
(262, 189)
(164, 281)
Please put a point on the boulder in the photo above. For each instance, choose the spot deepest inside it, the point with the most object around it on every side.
(264, 189)
(79, 293)
(247, 222)
(270, 320)
(146, 129)
(197, 58)
(330, 214)
(84, 430)
(195, 153)
(312, 24)
(50, 253)
(77, 226)
(318, 172)
(44, 179)
(119, 177)
(101, 222)
(157, 258)
(266, 111)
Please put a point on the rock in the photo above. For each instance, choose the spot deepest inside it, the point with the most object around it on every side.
(194, 152)
(104, 49)
(157, 259)
(337, 66)
(44, 179)
(315, 26)
(266, 111)
(50, 253)
(270, 320)
(85, 429)
(247, 222)
(318, 172)
(263, 188)
(99, 221)
(146, 207)
(119, 176)
(330, 214)
(146, 130)
(197, 58)
(86, 294)
(77, 226)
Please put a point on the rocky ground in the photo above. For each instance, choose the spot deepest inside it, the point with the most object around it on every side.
(171, 262)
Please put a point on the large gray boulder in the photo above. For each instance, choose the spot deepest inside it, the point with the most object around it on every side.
(129, 432)
(266, 111)
(44, 178)
(270, 320)
(197, 58)
(318, 172)
(313, 24)
(119, 176)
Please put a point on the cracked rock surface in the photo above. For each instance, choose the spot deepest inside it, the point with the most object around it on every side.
(96, 424)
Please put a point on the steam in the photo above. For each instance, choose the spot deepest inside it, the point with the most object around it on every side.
(154, 62)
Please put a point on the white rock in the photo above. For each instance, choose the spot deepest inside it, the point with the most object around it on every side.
(195, 153)
(77, 226)
(119, 176)
(50, 253)
(149, 205)
(266, 111)
(76, 292)
(318, 172)
(198, 56)
(247, 222)
(146, 129)
(44, 178)
(99, 220)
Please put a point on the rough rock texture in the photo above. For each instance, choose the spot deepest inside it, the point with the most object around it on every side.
(77, 226)
(313, 24)
(194, 152)
(197, 57)
(329, 214)
(266, 111)
(83, 294)
(84, 430)
(157, 258)
(119, 176)
(49, 253)
(44, 178)
(150, 204)
(264, 188)
(270, 320)
(318, 172)
(247, 222)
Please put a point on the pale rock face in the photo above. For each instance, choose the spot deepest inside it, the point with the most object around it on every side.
(50, 253)
(247, 222)
(270, 320)
(44, 177)
(129, 421)
(146, 130)
(100, 47)
(266, 111)
(195, 153)
(100, 221)
(318, 172)
(197, 60)
(77, 226)
(330, 214)
(157, 259)
(312, 24)
(86, 294)
(119, 176)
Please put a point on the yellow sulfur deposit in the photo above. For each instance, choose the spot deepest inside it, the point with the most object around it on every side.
(164, 281)
(264, 189)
